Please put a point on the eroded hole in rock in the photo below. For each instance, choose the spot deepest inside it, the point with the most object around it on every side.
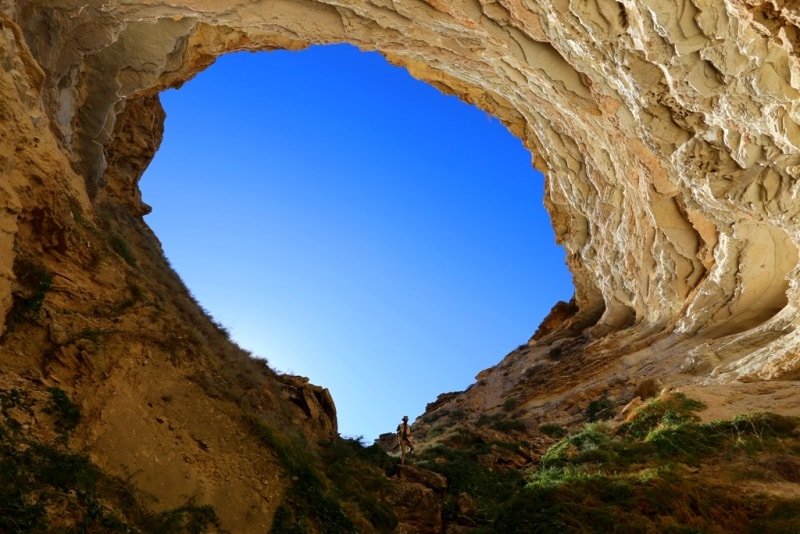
(353, 225)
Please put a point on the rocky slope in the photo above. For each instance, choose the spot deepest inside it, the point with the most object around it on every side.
(668, 133)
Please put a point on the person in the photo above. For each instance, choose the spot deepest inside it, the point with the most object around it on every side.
(404, 437)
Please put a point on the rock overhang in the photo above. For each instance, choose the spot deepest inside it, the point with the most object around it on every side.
(668, 134)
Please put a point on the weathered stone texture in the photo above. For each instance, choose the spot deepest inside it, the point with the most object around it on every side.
(668, 133)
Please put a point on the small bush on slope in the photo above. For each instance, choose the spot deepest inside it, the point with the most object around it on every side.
(662, 471)
(333, 488)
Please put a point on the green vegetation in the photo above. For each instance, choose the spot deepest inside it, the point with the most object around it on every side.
(45, 488)
(460, 461)
(501, 422)
(121, 247)
(357, 474)
(600, 410)
(663, 471)
(135, 295)
(331, 488)
(509, 425)
(553, 431)
(670, 410)
(439, 421)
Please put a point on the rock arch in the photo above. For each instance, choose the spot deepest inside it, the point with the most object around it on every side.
(669, 139)
(668, 134)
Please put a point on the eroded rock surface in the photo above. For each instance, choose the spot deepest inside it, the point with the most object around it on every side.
(668, 133)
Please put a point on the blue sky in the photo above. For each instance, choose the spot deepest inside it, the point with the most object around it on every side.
(353, 225)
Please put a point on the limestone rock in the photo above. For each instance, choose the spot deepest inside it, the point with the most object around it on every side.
(427, 478)
(670, 144)
(315, 404)
(668, 133)
(559, 314)
(417, 502)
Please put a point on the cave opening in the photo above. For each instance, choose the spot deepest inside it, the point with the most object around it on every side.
(353, 225)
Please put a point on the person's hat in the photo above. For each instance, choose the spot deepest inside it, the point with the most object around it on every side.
(405, 418)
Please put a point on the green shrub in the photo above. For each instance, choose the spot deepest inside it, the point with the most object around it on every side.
(499, 421)
(585, 444)
(457, 414)
(641, 478)
(308, 500)
(670, 410)
(600, 410)
(488, 487)
(685, 442)
(486, 419)
(549, 477)
(119, 246)
(553, 431)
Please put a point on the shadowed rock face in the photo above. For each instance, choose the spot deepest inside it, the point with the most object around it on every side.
(668, 133)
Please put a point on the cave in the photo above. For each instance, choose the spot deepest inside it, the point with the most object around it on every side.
(675, 221)
(668, 136)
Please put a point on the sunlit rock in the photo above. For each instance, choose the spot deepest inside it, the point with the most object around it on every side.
(668, 133)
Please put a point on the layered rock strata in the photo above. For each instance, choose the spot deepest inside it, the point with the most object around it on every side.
(668, 133)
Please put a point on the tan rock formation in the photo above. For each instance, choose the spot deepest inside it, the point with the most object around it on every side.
(668, 133)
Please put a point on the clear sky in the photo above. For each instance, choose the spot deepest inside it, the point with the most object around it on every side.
(353, 225)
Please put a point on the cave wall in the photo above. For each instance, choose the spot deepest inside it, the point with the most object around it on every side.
(667, 131)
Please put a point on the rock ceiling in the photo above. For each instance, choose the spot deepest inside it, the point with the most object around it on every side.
(668, 133)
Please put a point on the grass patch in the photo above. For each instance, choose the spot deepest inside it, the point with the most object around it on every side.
(644, 476)
(309, 504)
(576, 501)
(672, 409)
(120, 246)
(460, 463)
